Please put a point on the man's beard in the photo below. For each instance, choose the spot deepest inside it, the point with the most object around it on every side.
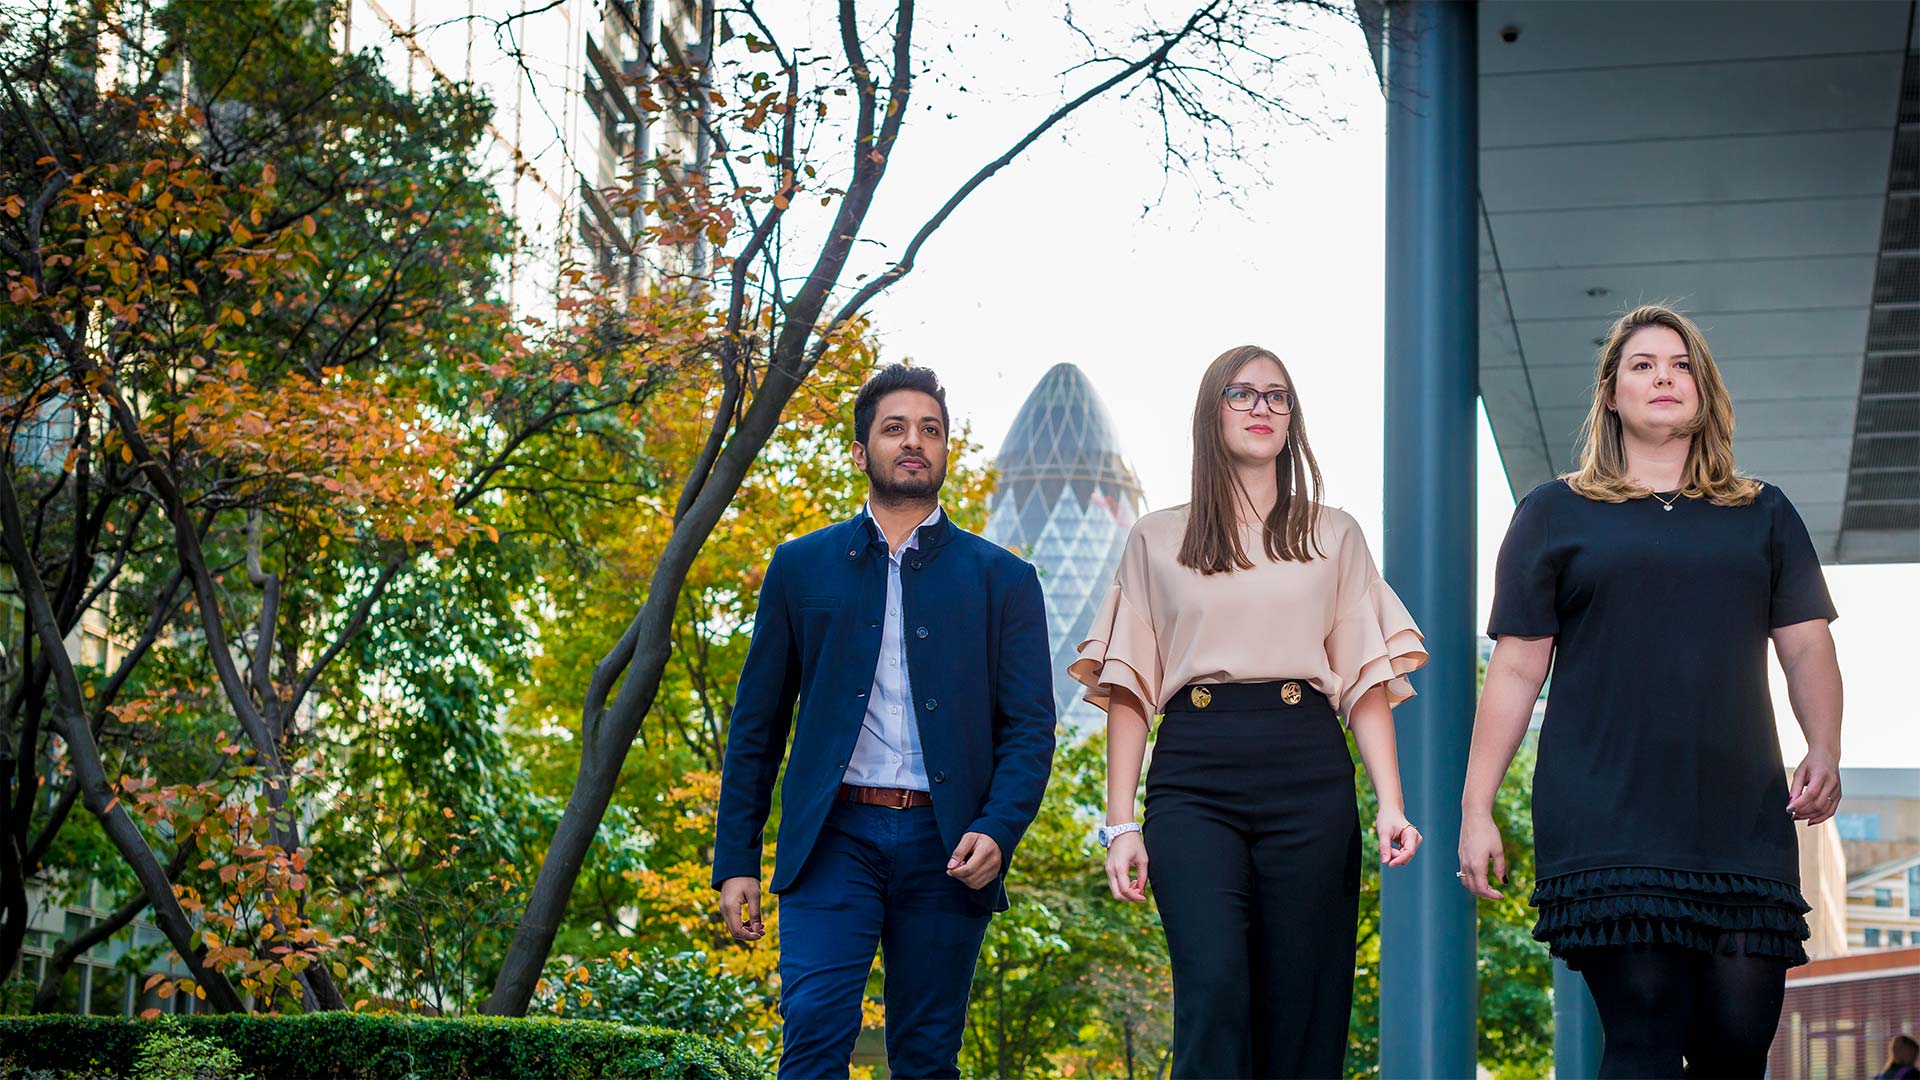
(916, 487)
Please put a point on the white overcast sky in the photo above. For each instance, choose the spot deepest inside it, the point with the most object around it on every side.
(1053, 261)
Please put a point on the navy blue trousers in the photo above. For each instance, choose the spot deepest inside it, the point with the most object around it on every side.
(876, 879)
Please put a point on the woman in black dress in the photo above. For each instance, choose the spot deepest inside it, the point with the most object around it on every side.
(1651, 579)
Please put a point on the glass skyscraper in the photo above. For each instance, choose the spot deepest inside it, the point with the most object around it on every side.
(1066, 499)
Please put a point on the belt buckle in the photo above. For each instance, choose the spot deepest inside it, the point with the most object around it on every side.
(906, 799)
(1290, 692)
(1200, 696)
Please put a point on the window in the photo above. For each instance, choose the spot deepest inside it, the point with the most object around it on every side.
(1913, 890)
(1883, 898)
(1896, 938)
(1870, 937)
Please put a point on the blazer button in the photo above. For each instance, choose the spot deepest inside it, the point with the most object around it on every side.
(931, 705)
(920, 632)
(854, 554)
(939, 778)
(915, 564)
(859, 693)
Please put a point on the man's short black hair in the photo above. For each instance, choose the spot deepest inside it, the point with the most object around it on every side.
(886, 381)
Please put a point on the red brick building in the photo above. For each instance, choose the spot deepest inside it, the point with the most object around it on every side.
(1839, 1014)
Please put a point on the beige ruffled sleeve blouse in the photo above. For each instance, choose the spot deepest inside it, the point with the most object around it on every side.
(1331, 621)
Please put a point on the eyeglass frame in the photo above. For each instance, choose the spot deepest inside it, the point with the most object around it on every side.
(1274, 398)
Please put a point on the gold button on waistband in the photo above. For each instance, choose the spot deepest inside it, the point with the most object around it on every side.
(1290, 693)
(1200, 696)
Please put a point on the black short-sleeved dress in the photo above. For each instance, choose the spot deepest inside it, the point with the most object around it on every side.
(1659, 797)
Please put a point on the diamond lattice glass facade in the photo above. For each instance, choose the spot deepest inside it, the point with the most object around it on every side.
(1066, 499)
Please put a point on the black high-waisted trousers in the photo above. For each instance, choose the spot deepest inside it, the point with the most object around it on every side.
(1253, 851)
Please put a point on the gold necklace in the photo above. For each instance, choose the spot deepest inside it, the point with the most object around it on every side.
(1666, 504)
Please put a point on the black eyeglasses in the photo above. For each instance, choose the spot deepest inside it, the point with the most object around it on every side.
(1241, 398)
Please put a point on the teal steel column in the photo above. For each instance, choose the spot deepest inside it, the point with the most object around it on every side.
(1428, 985)
(1576, 1027)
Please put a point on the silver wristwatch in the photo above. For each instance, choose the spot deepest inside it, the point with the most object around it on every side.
(1108, 833)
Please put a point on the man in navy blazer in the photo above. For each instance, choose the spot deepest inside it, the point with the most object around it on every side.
(917, 655)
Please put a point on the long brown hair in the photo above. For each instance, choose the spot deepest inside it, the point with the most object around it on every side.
(1212, 544)
(1709, 472)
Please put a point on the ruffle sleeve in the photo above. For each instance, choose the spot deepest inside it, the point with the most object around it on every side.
(1121, 649)
(1374, 640)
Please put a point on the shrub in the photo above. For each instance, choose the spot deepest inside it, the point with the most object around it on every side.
(348, 1046)
(171, 1054)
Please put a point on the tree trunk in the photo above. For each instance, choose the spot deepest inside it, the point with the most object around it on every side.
(70, 722)
(13, 889)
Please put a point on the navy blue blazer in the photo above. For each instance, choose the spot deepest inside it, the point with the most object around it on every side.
(977, 661)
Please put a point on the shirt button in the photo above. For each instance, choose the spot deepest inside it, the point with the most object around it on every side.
(896, 709)
(895, 758)
(920, 632)
(893, 614)
(931, 705)
(891, 662)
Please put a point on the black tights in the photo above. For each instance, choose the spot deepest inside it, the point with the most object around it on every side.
(1661, 1004)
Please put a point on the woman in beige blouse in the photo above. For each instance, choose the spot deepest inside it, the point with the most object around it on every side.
(1253, 619)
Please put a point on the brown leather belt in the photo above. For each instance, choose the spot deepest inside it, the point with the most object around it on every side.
(894, 798)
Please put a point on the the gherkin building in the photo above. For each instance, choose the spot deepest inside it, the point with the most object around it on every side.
(1067, 497)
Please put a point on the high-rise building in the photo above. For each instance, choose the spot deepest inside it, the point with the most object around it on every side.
(568, 129)
(1066, 500)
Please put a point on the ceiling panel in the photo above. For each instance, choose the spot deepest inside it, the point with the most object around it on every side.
(1601, 293)
(1811, 94)
(1714, 232)
(1702, 170)
(1558, 35)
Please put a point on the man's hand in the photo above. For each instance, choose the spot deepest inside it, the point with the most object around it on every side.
(737, 893)
(975, 862)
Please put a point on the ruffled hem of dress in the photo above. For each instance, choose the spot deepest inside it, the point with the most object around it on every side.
(1661, 881)
(1119, 645)
(1705, 912)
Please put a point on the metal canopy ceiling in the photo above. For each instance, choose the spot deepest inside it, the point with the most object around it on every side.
(1737, 160)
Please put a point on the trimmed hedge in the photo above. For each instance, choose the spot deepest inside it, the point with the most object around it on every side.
(349, 1046)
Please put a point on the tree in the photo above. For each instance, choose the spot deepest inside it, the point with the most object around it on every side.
(781, 308)
(256, 304)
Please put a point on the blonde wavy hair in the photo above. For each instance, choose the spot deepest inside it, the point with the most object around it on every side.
(1709, 472)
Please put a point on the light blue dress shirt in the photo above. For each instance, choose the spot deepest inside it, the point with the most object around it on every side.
(888, 751)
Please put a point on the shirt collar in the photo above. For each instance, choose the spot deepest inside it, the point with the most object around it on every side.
(913, 538)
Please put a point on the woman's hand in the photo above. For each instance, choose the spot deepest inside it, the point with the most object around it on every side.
(1127, 868)
(1398, 838)
(1480, 842)
(1815, 788)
